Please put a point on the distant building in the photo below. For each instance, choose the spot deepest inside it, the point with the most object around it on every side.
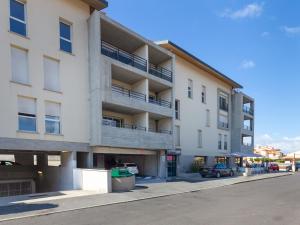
(268, 152)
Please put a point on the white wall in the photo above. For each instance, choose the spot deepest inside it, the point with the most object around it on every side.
(92, 180)
(193, 112)
(43, 40)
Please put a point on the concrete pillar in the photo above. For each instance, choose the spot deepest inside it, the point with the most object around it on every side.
(25, 159)
(96, 70)
(42, 160)
(68, 163)
(100, 161)
(162, 165)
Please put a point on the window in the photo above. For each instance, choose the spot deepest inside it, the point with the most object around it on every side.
(177, 109)
(199, 138)
(208, 118)
(52, 118)
(223, 121)
(65, 37)
(18, 17)
(177, 136)
(51, 74)
(223, 102)
(27, 114)
(220, 142)
(203, 94)
(190, 88)
(225, 142)
(19, 65)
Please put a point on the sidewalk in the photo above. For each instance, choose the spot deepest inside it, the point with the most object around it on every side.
(23, 206)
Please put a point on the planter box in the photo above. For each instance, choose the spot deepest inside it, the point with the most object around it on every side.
(123, 184)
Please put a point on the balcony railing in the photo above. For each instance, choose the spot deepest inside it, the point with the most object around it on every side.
(160, 102)
(224, 125)
(128, 93)
(161, 72)
(123, 56)
(248, 110)
(126, 126)
(246, 127)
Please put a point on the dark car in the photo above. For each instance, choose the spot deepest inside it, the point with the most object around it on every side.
(219, 170)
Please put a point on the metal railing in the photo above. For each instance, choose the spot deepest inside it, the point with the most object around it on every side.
(128, 93)
(160, 102)
(161, 72)
(224, 125)
(248, 110)
(246, 127)
(123, 125)
(123, 56)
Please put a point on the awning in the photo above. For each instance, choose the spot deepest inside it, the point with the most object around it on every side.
(244, 155)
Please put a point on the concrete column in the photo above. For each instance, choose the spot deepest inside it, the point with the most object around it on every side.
(68, 163)
(142, 120)
(144, 53)
(42, 160)
(142, 87)
(100, 161)
(96, 68)
(162, 165)
(25, 159)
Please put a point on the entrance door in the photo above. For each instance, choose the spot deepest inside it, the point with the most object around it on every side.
(172, 165)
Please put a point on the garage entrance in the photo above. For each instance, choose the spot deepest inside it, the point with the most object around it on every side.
(147, 161)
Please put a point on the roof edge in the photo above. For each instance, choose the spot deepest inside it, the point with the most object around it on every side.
(218, 73)
(97, 4)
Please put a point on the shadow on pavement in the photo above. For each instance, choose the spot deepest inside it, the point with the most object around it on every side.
(21, 208)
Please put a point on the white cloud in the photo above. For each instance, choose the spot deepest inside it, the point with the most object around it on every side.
(265, 34)
(286, 144)
(249, 11)
(247, 64)
(291, 30)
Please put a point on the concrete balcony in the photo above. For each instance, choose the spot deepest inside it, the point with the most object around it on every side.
(131, 137)
(118, 97)
(247, 148)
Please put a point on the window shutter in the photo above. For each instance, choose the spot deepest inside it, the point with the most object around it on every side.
(26, 105)
(51, 74)
(52, 109)
(19, 65)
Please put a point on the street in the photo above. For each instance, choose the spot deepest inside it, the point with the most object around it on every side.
(265, 202)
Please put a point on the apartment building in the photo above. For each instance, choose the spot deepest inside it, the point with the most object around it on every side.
(212, 119)
(132, 97)
(82, 88)
(44, 92)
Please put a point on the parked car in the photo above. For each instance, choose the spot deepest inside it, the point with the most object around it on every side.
(131, 167)
(273, 167)
(217, 171)
(285, 167)
(8, 163)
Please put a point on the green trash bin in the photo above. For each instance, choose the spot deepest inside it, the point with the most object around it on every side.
(120, 172)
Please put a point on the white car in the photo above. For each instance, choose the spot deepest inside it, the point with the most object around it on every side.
(131, 167)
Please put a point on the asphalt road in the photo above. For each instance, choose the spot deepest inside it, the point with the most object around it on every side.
(266, 202)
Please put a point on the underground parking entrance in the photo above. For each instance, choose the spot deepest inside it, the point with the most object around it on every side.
(149, 164)
(30, 172)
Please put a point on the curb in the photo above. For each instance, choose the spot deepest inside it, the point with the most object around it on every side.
(139, 199)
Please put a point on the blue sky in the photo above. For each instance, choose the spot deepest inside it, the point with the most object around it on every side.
(257, 43)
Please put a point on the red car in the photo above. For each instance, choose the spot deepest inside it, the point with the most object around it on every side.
(273, 167)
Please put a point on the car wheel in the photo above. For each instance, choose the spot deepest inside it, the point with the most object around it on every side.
(218, 175)
(231, 173)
